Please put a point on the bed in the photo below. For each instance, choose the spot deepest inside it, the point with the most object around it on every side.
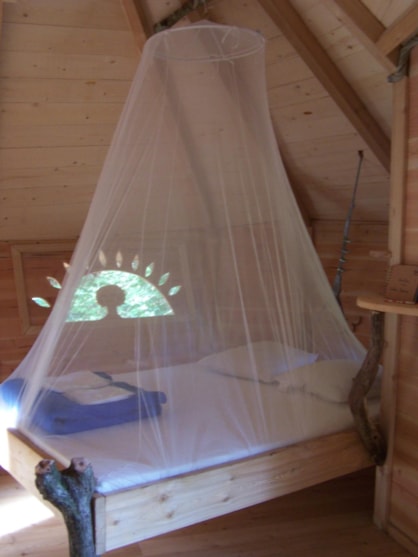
(193, 246)
(305, 437)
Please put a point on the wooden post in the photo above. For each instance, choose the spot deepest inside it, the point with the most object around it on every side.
(71, 492)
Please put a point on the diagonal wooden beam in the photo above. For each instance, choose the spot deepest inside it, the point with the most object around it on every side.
(139, 19)
(307, 46)
(401, 30)
(366, 27)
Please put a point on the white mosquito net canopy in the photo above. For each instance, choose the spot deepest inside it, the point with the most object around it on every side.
(195, 311)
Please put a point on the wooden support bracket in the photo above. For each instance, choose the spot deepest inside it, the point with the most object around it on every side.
(369, 432)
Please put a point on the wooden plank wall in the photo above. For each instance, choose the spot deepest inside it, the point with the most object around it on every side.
(364, 270)
(403, 508)
(13, 343)
(65, 71)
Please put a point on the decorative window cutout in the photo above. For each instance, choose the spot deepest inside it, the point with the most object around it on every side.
(31, 262)
(116, 292)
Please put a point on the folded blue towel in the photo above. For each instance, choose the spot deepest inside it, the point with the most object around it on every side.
(57, 414)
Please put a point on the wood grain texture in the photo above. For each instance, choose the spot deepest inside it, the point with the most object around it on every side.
(402, 503)
(140, 513)
(333, 518)
(65, 73)
(165, 506)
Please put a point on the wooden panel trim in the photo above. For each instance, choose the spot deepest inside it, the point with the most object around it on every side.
(17, 252)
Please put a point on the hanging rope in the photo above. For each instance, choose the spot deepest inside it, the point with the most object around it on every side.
(340, 269)
(178, 14)
(402, 68)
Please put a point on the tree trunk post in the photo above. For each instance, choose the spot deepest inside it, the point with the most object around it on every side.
(71, 492)
(369, 432)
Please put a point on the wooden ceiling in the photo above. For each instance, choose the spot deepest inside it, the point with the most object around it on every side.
(66, 67)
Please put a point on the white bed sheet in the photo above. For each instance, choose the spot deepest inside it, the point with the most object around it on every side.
(197, 429)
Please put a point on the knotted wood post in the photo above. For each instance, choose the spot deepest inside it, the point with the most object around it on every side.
(369, 432)
(71, 492)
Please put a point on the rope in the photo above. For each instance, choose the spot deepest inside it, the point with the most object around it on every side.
(340, 269)
(402, 68)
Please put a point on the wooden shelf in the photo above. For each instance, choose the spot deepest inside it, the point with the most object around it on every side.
(374, 302)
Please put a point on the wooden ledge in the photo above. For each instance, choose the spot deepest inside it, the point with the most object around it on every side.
(374, 302)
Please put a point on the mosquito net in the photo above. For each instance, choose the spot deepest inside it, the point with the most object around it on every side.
(195, 324)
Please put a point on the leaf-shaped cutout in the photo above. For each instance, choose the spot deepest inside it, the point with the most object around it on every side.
(102, 258)
(149, 270)
(174, 290)
(163, 279)
(66, 266)
(135, 263)
(54, 282)
(41, 302)
(119, 259)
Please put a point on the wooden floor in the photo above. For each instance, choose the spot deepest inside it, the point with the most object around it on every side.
(332, 519)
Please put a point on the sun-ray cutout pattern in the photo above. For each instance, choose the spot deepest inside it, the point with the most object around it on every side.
(138, 296)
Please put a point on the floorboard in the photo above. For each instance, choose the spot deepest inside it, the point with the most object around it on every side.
(334, 518)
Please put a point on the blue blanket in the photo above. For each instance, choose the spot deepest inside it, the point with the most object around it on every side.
(57, 414)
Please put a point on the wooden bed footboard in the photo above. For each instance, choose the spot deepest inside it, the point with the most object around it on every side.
(135, 514)
(139, 513)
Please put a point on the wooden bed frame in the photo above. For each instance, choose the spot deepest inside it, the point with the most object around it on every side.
(130, 515)
(135, 514)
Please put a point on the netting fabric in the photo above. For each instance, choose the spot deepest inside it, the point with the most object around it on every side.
(195, 324)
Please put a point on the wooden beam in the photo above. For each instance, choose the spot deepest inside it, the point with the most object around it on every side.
(324, 69)
(138, 21)
(392, 323)
(366, 27)
(401, 30)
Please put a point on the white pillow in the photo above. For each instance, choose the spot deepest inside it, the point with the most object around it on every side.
(260, 361)
(328, 379)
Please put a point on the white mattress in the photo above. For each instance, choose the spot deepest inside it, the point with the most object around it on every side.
(209, 418)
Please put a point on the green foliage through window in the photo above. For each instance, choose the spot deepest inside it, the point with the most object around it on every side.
(124, 293)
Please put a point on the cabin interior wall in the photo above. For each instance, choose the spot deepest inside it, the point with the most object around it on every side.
(403, 497)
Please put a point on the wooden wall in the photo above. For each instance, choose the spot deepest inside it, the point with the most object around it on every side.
(18, 331)
(65, 71)
(403, 498)
(13, 343)
(365, 269)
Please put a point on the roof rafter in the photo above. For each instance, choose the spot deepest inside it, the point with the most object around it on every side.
(367, 28)
(138, 21)
(399, 31)
(307, 46)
